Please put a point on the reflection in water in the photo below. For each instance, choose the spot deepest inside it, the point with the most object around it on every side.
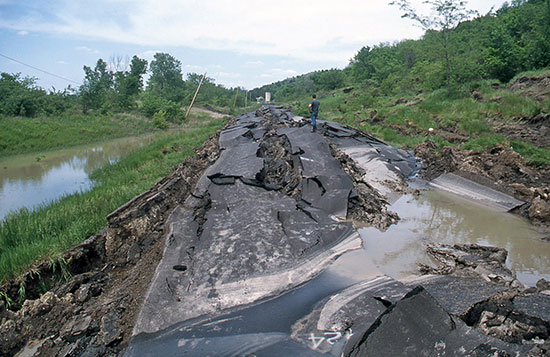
(28, 181)
(445, 218)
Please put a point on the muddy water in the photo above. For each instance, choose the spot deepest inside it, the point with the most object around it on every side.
(28, 181)
(441, 217)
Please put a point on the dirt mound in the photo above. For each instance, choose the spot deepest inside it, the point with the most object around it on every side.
(534, 130)
(537, 86)
(93, 312)
(501, 168)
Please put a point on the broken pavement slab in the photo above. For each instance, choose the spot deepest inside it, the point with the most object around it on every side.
(418, 326)
(472, 190)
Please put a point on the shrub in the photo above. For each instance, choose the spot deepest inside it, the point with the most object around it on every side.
(159, 120)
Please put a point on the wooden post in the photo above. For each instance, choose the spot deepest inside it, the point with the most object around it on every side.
(236, 94)
(195, 96)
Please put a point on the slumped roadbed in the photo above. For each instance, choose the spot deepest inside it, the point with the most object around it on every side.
(244, 245)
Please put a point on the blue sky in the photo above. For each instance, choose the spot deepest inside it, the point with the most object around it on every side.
(241, 43)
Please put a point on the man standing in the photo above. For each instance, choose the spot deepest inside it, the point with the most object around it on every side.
(314, 110)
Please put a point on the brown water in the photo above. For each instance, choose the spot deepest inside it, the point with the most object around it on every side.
(445, 218)
(28, 181)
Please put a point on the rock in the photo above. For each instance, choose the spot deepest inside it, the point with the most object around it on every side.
(401, 101)
(535, 305)
(83, 293)
(373, 114)
(110, 331)
(75, 328)
(543, 284)
(418, 326)
(477, 96)
(540, 209)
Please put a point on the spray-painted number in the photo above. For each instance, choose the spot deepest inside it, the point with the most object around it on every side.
(329, 337)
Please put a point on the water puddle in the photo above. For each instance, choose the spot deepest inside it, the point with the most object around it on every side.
(28, 181)
(439, 217)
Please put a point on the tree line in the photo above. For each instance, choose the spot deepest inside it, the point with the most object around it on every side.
(117, 87)
(499, 45)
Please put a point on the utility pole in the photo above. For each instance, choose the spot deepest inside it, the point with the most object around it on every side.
(245, 99)
(236, 94)
(195, 96)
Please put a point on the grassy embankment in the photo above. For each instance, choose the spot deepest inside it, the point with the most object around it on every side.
(407, 124)
(28, 236)
(19, 135)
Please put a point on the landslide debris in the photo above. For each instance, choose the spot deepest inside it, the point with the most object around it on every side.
(514, 313)
(93, 310)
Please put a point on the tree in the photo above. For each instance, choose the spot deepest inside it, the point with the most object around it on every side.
(166, 79)
(130, 83)
(447, 14)
(98, 83)
(502, 59)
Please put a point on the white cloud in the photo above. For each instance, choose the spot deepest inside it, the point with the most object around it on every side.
(315, 31)
(226, 75)
(275, 74)
(193, 68)
(61, 62)
(254, 64)
(86, 49)
(23, 33)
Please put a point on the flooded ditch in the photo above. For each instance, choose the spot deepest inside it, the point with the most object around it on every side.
(31, 180)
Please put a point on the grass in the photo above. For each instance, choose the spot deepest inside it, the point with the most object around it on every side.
(458, 112)
(483, 144)
(28, 236)
(20, 135)
(533, 155)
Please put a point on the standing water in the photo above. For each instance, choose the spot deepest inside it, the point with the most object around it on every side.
(29, 181)
(440, 217)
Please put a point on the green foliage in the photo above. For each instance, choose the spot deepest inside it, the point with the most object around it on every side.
(166, 78)
(129, 84)
(21, 97)
(328, 79)
(503, 54)
(28, 236)
(152, 104)
(159, 120)
(97, 86)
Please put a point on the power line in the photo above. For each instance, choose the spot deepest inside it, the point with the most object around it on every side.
(41, 70)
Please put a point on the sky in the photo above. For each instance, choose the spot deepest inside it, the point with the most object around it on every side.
(240, 43)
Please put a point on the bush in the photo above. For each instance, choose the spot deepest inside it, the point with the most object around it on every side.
(159, 120)
(152, 104)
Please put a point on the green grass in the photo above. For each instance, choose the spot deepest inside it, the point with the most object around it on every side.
(533, 155)
(483, 144)
(20, 135)
(28, 236)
